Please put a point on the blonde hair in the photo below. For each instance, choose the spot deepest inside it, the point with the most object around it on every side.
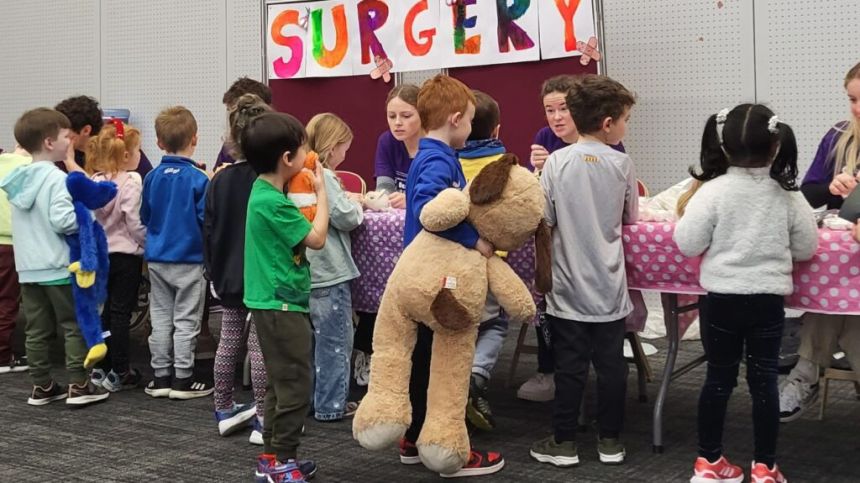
(106, 152)
(246, 107)
(848, 147)
(325, 132)
(685, 197)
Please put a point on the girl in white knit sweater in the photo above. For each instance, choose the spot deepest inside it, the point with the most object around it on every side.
(750, 222)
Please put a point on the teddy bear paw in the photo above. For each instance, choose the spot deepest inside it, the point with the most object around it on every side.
(380, 436)
(95, 354)
(440, 459)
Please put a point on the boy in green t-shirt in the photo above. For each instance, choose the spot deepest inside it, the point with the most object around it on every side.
(278, 286)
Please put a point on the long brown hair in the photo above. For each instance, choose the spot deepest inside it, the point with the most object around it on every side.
(247, 107)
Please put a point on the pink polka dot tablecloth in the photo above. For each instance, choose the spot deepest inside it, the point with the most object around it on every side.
(376, 247)
(829, 283)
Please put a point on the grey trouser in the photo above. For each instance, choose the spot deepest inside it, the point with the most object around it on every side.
(175, 309)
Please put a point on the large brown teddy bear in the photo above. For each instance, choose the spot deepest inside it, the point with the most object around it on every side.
(444, 285)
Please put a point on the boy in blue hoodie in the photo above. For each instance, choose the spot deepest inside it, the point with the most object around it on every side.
(446, 107)
(172, 208)
(42, 214)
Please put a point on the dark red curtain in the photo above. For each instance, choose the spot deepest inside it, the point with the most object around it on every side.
(358, 100)
(516, 87)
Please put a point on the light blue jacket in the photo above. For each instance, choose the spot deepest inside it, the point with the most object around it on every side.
(42, 213)
(333, 264)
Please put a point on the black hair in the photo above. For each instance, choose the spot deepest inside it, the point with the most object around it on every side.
(82, 111)
(747, 142)
(268, 136)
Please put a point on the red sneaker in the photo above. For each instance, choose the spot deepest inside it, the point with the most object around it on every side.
(480, 463)
(408, 453)
(720, 472)
(762, 474)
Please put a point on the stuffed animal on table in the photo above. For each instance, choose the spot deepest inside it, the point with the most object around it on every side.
(300, 188)
(377, 201)
(443, 285)
(89, 260)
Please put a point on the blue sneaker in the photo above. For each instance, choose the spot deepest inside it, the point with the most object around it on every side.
(231, 420)
(269, 470)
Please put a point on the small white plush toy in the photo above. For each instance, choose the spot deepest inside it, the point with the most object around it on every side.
(377, 201)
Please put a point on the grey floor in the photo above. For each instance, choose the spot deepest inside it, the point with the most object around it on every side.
(135, 438)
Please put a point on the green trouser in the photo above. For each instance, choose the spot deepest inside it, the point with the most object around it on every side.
(286, 343)
(48, 310)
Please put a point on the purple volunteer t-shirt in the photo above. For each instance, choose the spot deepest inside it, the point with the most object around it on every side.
(392, 160)
(821, 169)
(224, 157)
(546, 138)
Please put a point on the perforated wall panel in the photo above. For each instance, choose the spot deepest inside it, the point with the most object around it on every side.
(803, 50)
(161, 53)
(685, 60)
(49, 51)
(244, 44)
(417, 77)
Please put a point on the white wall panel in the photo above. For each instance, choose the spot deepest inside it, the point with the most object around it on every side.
(49, 51)
(803, 50)
(685, 60)
(161, 53)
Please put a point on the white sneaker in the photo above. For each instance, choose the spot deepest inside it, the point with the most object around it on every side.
(362, 368)
(795, 398)
(98, 376)
(540, 388)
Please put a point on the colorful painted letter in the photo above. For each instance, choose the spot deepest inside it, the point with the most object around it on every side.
(508, 29)
(567, 8)
(286, 70)
(462, 45)
(325, 57)
(372, 15)
(415, 47)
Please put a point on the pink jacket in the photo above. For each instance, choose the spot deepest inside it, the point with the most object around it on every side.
(121, 217)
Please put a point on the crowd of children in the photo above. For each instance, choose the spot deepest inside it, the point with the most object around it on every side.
(283, 277)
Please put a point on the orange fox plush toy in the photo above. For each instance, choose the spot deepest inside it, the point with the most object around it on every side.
(300, 188)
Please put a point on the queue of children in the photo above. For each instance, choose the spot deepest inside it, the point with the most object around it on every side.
(227, 232)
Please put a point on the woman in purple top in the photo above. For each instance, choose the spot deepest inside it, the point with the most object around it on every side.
(560, 130)
(397, 146)
(833, 174)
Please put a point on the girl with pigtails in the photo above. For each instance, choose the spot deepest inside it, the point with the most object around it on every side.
(749, 222)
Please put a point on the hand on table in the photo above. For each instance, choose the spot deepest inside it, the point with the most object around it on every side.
(397, 200)
(843, 184)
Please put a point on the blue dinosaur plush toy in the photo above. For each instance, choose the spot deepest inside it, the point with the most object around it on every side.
(89, 260)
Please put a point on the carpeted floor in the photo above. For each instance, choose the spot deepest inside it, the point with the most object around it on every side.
(133, 438)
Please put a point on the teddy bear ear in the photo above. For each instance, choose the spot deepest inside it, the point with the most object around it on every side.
(490, 183)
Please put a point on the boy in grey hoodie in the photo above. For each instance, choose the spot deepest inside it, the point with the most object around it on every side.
(42, 214)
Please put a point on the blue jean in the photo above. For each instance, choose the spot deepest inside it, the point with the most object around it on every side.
(331, 315)
(491, 338)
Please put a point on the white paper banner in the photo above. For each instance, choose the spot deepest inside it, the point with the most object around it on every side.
(562, 24)
(343, 37)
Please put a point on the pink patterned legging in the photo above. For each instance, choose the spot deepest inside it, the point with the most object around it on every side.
(227, 356)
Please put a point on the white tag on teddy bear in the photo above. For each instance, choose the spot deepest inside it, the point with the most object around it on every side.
(450, 283)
